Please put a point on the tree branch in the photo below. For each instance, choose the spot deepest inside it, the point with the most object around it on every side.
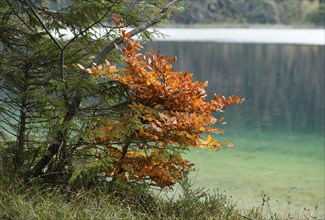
(101, 56)
(51, 36)
(89, 27)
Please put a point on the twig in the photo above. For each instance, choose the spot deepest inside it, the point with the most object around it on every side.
(100, 57)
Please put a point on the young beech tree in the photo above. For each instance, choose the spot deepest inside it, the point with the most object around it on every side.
(166, 114)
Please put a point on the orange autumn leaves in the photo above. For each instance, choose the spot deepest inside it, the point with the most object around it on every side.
(167, 114)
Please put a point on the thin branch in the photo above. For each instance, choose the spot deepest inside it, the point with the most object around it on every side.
(100, 57)
(6, 130)
(18, 16)
(9, 115)
(7, 121)
(89, 27)
(13, 105)
(245, 217)
(51, 36)
(9, 95)
(43, 25)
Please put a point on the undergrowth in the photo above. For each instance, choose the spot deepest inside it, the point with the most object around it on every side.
(119, 201)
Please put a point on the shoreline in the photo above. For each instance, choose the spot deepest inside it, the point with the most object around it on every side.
(243, 35)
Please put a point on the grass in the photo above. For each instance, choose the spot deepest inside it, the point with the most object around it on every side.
(63, 202)
(120, 201)
(111, 202)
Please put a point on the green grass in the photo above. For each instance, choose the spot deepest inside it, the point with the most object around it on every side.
(110, 202)
(120, 201)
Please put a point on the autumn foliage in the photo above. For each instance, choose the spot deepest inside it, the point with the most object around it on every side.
(167, 113)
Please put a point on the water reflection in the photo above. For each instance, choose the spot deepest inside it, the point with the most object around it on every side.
(283, 84)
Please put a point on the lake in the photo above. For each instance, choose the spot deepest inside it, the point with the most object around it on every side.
(278, 132)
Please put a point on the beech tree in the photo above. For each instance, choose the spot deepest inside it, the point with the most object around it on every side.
(162, 115)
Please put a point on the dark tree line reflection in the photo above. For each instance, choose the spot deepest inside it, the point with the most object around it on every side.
(283, 84)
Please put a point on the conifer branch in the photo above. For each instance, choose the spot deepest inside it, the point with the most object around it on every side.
(162, 14)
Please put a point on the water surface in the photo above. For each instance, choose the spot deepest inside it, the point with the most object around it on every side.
(278, 132)
(247, 35)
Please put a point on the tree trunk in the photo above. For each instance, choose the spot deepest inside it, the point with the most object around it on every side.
(53, 148)
(21, 136)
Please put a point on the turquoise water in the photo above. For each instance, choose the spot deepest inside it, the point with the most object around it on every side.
(278, 132)
(286, 169)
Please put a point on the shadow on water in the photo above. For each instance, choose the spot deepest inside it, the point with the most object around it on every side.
(278, 132)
